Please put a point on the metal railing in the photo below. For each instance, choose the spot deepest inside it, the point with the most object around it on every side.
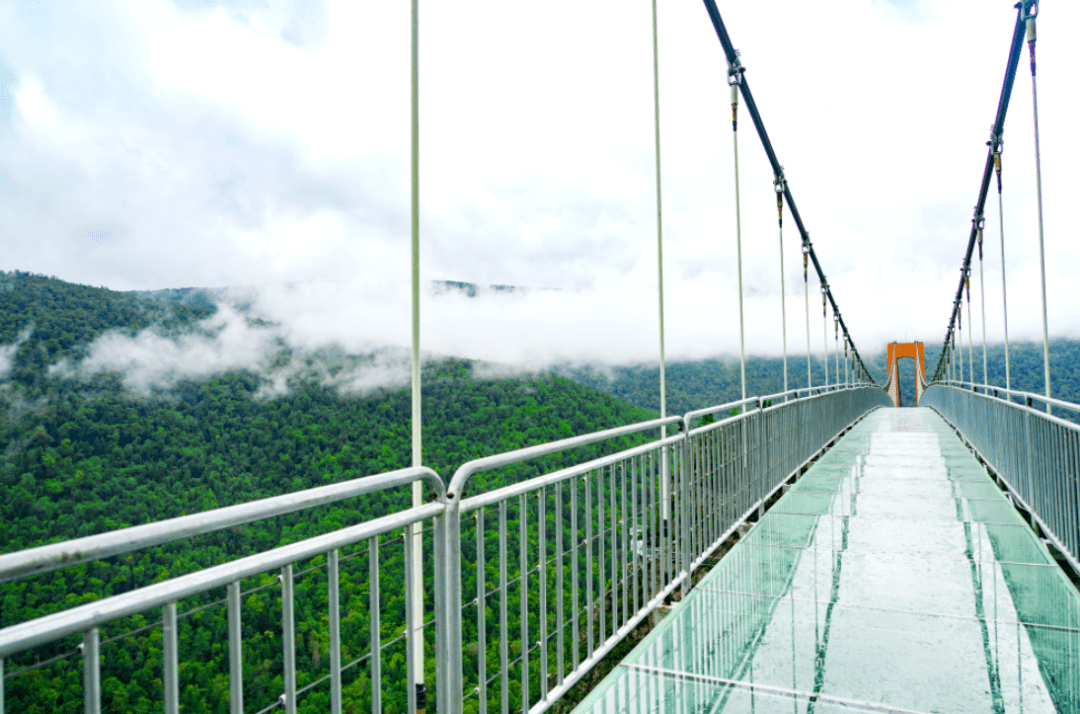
(602, 544)
(43, 559)
(738, 463)
(1035, 454)
(599, 546)
(88, 619)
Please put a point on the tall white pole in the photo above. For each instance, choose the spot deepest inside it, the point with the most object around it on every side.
(417, 430)
(665, 485)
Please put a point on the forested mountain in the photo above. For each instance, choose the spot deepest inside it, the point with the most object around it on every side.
(84, 455)
(84, 452)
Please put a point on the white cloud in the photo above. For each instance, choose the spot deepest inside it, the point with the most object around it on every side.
(7, 352)
(225, 146)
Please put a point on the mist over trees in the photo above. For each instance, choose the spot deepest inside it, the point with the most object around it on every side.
(85, 452)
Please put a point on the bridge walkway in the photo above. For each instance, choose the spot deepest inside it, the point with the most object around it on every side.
(893, 576)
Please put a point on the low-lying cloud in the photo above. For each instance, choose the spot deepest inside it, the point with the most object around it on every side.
(231, 341)
(355, 336)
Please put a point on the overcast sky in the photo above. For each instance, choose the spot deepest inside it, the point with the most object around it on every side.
(152, 144)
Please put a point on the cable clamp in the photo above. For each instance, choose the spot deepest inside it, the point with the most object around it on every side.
(735, 70)
(779, 182)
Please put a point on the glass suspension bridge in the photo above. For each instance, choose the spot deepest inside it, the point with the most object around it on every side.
(808, 551)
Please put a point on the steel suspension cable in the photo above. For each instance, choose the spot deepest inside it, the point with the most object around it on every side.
(971, 330)
(825, 331)
(847, 373)
(751, 109)
(806, 295)
(416, 666)
(992, 161)
(734, 77)
(1004, 298)
(836, 345)
(982, 296)
(660, 257)
(1032, 11)
(778, 184)
(960, 332)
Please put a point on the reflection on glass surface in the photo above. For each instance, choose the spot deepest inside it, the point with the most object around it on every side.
(894, 576)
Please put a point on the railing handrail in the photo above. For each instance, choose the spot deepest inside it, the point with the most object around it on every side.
(48, 628)
(814, 392)
(486, 463)
(1022, 477)
(1012, 392)
(1015, 405)
(489, 497)
(46, 558)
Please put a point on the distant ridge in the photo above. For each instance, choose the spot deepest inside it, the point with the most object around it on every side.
(211, 297)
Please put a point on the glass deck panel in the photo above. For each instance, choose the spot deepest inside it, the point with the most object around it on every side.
(894, 576)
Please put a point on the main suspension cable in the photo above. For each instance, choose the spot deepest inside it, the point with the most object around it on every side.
(992, 161)
(735, 64)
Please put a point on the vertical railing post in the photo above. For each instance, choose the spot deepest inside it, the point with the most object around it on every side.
(684, 508)
(333, 596)
(288, 639)
(171, 659)
(374, 610)
(91, 647)
(412, 632)
(541, 559)
(447, 601)
(481, 614)
(761, 460)
(236, 655)
(504, 615)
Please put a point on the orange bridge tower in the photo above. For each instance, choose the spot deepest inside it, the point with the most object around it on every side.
(914, 350)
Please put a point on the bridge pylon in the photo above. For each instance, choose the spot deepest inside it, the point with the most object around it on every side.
(896, 351)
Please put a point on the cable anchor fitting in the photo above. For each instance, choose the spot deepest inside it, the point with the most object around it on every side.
(780, 185)
(980, 223)
(1031, 10)
(735, 73)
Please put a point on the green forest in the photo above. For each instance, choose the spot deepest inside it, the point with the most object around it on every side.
(83, 457)
(84, 454)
